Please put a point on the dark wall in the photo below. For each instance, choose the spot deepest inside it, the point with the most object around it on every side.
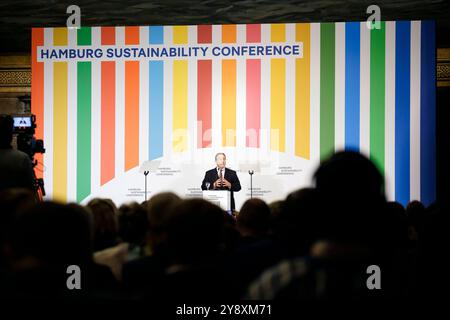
(443, 142)
(443, 123)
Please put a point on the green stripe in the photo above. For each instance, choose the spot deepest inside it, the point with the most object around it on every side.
(84, 37)
(84, 94)
(327, 62)
(377, 90)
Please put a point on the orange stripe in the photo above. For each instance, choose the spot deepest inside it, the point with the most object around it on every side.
(131, 103)
(131, 114)
(131, 35)
(37, 91)
(229, 90)
(229, 33)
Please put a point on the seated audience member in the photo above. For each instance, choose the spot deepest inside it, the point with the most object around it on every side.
(194, 238)
(133, 226)
(145, 271)
(297, 222)
(15, 166)
(275, 211)
(292, 234)
(104, 214)
(45, 240)
(354, 233)
(11, 201)
(253, 221)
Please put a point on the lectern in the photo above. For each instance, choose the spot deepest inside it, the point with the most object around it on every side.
(221, 198)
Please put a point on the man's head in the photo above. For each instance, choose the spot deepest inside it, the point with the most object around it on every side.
(254, 218)
(53, 234)
(6, 131)
(351, 198)
(158, 212)
(195, 230)
(221, 160)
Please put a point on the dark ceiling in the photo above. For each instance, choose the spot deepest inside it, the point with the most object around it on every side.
(17, 17)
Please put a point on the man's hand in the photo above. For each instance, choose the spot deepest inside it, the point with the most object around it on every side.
(226, 183)
(217, 183)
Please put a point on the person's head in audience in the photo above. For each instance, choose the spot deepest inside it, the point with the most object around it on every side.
(158, 209)
(6, 131)
(133, 224)
(254, 218)
(11, 202)
(194, 231)
(104, 213)
(51, 234)
(275, 212)
(415, 212)
(352, 202)
(298, 221)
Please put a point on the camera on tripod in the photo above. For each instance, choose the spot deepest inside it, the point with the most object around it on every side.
(24, 129)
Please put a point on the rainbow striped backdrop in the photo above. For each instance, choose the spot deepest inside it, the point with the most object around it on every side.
(354, 88)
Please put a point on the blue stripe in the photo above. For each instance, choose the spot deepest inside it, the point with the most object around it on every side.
(156, 93)
(428, 112)
(402, 111)
(156, 35)
(352, 92)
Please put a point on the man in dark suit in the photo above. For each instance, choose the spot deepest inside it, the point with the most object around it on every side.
(222, 178)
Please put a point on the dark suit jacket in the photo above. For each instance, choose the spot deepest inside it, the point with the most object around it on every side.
(230, 175)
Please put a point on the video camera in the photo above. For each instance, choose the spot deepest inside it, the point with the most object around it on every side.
(24, 128)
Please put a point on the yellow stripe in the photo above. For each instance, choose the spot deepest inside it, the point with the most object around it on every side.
(277, 104)
(278, 93)
(302, 92)
(229, 103)
(180, 103)
(278, 32)
(180, 34)
(180, 95)
(60, 131)
(60, 36)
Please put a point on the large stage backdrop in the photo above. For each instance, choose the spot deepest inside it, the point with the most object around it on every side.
(278, 98)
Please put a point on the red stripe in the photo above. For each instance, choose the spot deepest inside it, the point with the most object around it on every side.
(204, 100)
(253, 87)
(108, 36)
(108, 118)
(253, 33)
(204, 34)
(204, 91)
(108, 111)
(37, 91)
(253, 97)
